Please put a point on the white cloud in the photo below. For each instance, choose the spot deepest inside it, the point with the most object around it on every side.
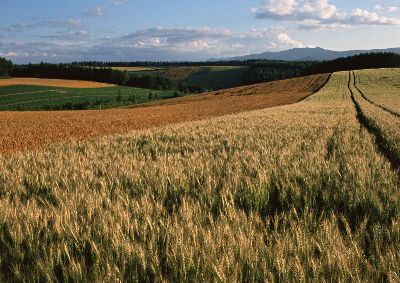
(321, 14)
(285, 39)
(296, 10)
(360, 16)
(158, 43)
(390, 9)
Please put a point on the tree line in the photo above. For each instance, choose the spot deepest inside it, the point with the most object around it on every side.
(257, 72)
(163, 64)
(266, 71)
(104, 75)
(357, 62)
(5, 67)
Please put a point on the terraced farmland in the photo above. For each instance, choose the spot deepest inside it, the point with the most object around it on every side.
(295, 193)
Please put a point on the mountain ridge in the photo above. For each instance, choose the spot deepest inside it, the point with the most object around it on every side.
(306, 54)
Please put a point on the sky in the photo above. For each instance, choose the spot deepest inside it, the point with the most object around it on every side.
(172, 30)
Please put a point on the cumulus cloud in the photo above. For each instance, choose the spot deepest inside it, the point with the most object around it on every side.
(158, 43)
(390, 9)
(360, 16)
(296, 10)
(321, 14)
(285, 39)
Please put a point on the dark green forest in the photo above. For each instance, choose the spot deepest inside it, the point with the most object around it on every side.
(358, 62)
(105, 64)
(257, 72)
(5, 67)
(266, 71)
(104, 75)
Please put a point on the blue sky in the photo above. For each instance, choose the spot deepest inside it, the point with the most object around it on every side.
(128, 30)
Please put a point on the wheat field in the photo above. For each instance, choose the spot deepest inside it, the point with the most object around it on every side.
(53, 83)
(29, 130)
(294, 193)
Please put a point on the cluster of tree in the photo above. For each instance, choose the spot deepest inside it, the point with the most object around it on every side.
(266, 71)
(162, 64)
(105, 75)
(5, 67)
(358, 62)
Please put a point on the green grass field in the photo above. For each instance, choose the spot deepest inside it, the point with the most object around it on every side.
(208, 77)
(24, 97)
(216, 77)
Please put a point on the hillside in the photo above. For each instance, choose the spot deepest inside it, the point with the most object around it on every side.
(309, 54)
(35, 94)
(26, 130)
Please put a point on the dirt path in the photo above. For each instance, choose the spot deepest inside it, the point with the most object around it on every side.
(29, 130)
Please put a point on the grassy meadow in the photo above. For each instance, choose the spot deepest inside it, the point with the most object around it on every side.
(207, 77)
(218, 77)
(295, 193)
(26, 97)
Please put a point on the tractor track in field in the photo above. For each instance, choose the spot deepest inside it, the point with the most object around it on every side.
(394, 113)
(382, 144)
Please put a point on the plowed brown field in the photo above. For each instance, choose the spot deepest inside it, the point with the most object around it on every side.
(27, 130)
(52, 82)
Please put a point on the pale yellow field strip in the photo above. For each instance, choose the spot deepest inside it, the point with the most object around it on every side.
(53, 83)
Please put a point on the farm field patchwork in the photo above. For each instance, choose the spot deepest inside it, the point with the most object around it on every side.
(26, 130)
(52, 82)
(208, 77)
(293, 193)
(28, 97)
(137, 69)
(179, 73)
(256, 96)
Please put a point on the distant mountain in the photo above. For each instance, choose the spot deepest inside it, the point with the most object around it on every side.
(308, 54)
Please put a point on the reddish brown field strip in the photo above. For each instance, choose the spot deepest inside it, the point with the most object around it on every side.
(52, 82)
(28, 130)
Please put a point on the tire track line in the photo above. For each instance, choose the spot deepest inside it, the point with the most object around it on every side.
(383, 145)
(371, 101)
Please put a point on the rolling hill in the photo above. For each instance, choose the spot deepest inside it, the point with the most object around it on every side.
(27, 130)
(308, 54)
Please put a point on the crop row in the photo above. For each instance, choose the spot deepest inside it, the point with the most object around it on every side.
(381, 87)
(383, 123)
(295, 193)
